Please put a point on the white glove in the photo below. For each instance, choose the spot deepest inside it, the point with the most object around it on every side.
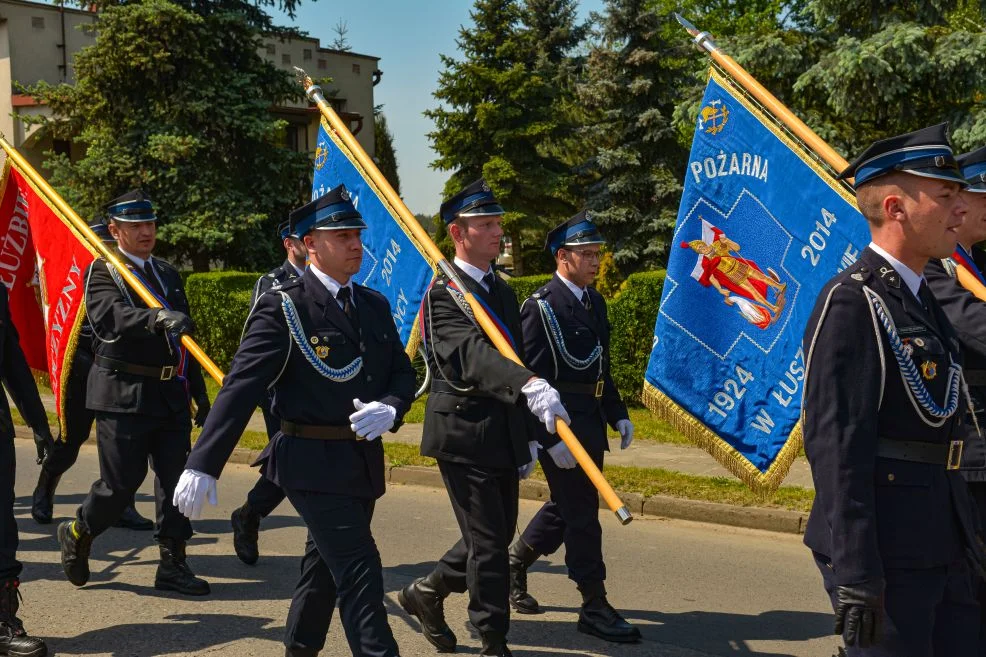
(525, 470)
(545, 402)
(562, 456)
(625, 427)
(370, 421)
(191, 492)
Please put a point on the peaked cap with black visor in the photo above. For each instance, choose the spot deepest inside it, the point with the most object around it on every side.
(925, 152)
(132, 207)
(973, 165)
(475, 200)
(576, 231)
(331, 211)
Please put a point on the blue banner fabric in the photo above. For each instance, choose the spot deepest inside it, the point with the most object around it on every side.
(393, 263)
(761, 228)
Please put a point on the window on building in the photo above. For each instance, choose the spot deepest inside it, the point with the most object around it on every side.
(307, 54)
(285, 58)
(322, 65)
(38, 22)
(271, 49)
(356, 69)
(292, 136)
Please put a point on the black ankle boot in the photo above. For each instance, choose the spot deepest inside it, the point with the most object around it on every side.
(14, 641)
(75, 543)
(300, 652)
(173, 573)
(246, 528)
(521, 557)
(598, 618)
(424, 599)
(495, 645)
(130, 519)
(43, 499)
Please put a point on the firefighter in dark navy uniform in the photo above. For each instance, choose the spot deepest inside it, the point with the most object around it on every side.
(140, 387)
(264, 497)
(330, 353)
(566, 341)
(478, 427)
(967, 313)
(78, 425)
(893, 528)
(19, 383)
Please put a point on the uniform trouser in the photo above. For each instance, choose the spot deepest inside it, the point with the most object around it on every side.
(978, 491)
(341, 563)
(125, 442)
(930, 612)
(485, 504)
(265, 495)
(78, 418)
(571, 517)
(9, 565)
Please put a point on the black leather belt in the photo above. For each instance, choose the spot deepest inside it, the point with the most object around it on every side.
(591, 389)
(974, 377)
(165, 373)
(949, 455)
(318, 432)
(456, 388)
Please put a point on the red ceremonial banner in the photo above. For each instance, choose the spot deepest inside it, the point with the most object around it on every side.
(43, 260)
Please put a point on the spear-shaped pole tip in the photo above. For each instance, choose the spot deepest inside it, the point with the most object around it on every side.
(312, 90)
(702, 39)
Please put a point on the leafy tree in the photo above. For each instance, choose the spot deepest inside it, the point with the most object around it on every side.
(178, 102)
(634, 169)
(386, 154)
(499, 115)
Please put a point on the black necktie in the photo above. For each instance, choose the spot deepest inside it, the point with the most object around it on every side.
(152, 278)
(345, 295)
(490, 281)
(585, 300)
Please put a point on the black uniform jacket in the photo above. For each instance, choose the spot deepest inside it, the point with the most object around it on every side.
(17, 376)
(581, 331)
(276, 276)
(872, 512)
(123, 329)
(968, 316)
(490, 425)
(268, 357)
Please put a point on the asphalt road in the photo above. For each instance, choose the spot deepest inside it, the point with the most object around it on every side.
(694, 590)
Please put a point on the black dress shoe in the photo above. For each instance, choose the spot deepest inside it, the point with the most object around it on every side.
(75, 543)
(43, 499)
(495, 645)
(130, 519)
(246, 529)
(424, 599)
(598, 618)
(173, 573)
(300, 652)
(521, 557)
(14, 640)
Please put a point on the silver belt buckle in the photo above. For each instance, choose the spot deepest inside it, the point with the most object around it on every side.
(167, 372)
(954, 461)
(599, 388)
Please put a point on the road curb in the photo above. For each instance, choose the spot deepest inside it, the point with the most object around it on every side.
(660, 506)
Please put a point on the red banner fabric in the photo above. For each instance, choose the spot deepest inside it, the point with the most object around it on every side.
(43, 260)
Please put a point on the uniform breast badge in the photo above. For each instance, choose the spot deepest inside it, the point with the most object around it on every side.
(322, 351)
(908, 347)
(929, 370)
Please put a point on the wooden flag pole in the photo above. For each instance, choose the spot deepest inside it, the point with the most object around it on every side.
(422, 237)
(83, 228)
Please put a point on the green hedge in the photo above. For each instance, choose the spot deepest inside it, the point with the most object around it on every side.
(220, 302)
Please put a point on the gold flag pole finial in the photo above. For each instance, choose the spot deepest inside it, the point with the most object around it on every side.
(421, 236)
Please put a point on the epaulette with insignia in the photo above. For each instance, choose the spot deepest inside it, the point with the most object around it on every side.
(288, 284)
(860, 273)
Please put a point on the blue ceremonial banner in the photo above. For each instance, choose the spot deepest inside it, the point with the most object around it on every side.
(761, 228)
(393, 263)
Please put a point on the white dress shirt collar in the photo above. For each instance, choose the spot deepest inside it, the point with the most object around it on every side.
(332, 285)
(300, 271)
(576, 290)
(137, 261)
(911, 278)
(474, 272)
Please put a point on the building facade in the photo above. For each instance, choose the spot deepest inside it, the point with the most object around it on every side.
(38, 43)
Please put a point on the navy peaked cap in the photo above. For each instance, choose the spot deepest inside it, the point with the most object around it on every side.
(973, 166)
(135, 205)
(925, 152)
(101, 230)
(580, 229)
(332, 211)
(476, 200)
